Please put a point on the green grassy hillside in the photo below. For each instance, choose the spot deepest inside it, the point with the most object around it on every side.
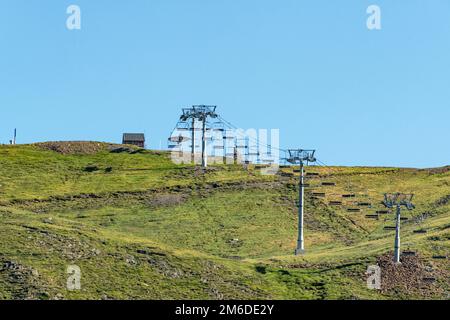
(141, 227)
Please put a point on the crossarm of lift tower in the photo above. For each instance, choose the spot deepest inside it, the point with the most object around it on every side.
(398, 199)
(300, 156)
(200, 112)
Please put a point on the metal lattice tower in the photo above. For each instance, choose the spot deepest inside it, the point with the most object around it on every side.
(200, 113)
(301, 157)
(397, 200)
(228, 143)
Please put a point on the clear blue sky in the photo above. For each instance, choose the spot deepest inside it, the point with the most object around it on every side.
(310, 68)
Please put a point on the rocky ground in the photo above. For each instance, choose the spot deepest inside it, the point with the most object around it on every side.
(414, 274)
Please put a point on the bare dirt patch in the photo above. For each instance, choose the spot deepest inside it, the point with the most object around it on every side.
(87, 147)
(414, 276)
(163, 200)
(438, 170)
(73, 147)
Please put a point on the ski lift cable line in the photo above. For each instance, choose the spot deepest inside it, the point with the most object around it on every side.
(173, 130)
(250, 138)
(322, 163)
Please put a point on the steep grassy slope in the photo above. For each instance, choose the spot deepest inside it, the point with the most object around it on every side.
(140, 226)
